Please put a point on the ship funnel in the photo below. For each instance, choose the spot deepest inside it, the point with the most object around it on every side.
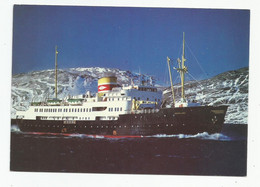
(106, 84)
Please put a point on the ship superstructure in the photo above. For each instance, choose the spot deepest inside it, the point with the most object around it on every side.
(111, 101)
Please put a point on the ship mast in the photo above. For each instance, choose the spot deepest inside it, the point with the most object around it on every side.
(182, 68)
(56, 72)
(170, 73)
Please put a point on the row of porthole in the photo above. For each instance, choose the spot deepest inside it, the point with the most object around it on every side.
(142, 116)
(98, 126)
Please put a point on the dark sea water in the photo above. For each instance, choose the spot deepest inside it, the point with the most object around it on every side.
(222, 154)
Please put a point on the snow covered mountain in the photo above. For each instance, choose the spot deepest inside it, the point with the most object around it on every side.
(229, 88)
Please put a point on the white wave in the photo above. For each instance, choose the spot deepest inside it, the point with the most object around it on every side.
(204, 136)
(15, 128)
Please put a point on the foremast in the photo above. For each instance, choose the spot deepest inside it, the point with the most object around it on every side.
(56, 72)
(182, 69)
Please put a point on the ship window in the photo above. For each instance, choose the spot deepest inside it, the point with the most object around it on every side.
(69, 110)
(147, 99)
(83, 109)
(86, 109)
(120, 108)
(138, 98)
(99, 108)
(111, 109)
(90, 110)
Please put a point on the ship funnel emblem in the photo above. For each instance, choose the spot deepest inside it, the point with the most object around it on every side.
(102, 87)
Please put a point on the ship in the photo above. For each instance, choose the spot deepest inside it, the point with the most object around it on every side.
(122, 110)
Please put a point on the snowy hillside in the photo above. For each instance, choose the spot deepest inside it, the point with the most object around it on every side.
(227, 88)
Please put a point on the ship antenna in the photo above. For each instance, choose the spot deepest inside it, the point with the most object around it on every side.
(170, 73)
(56, 72)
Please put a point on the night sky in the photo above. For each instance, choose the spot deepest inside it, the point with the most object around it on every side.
(135, 39)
